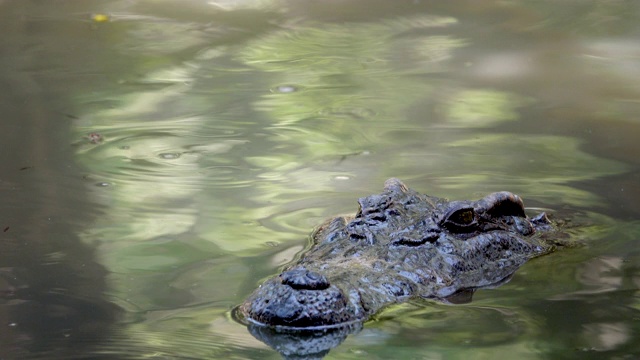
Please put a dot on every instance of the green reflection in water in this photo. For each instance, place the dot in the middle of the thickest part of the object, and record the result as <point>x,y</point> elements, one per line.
<point>349,48</point>
<point>191,177</point>
<point>540,165</point>
<point>481,331</point>
<point>482,108</point>
<point>341,77</point>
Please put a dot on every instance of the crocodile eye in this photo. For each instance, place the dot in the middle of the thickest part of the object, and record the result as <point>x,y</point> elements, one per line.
<point>462,217</point>
<point>460,220</point>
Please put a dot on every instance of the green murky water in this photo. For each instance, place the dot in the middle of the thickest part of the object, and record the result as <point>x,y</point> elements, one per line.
<point>161,158</point>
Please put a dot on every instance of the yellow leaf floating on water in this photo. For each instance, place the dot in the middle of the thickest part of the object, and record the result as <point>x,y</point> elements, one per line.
<point>100,17</point>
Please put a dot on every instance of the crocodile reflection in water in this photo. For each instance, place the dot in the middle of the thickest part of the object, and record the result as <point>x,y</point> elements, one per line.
<point>399,245</point>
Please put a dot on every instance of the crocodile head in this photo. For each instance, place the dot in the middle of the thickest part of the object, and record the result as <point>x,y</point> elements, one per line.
<point>400,244</point>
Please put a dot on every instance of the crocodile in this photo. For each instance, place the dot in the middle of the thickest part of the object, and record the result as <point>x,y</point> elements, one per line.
<point>400,245</point>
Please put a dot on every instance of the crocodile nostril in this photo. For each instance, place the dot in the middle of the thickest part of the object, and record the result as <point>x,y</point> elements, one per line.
<point>302,279</point>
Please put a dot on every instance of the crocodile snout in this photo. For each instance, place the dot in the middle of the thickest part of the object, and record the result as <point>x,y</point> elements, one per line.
<point>299,298</point>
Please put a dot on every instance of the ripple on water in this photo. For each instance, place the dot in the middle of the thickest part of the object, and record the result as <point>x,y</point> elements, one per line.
<point>476,325</point>
<point>342,177</point>
<point>195,333</point>
<point>169,156</point>
<point>356,113</point>
<point>285,89</point>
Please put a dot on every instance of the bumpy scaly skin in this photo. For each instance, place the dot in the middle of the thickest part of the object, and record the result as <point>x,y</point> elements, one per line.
<point>400,244</point>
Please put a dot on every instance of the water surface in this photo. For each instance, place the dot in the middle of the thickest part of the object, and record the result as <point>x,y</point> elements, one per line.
<point>161,158</point>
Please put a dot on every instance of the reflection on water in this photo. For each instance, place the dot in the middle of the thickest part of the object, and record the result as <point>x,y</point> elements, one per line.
<point>303,344</point>
<point>212,136</point>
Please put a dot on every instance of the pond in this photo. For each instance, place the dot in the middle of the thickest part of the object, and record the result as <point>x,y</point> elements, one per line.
<point>163,158</point>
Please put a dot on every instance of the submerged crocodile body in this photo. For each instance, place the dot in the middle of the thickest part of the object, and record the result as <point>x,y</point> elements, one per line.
<point>399,245</point>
